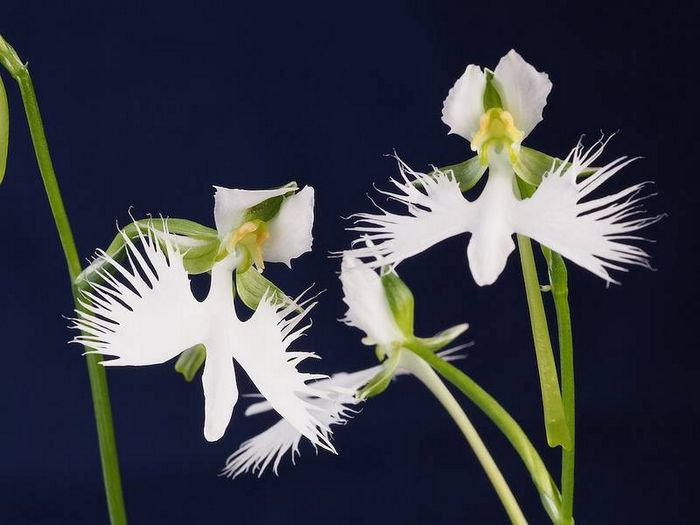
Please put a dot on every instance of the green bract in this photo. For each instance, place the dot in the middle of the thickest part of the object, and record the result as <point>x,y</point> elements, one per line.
<point>252,286</point>
<point>439,340</point>
<point>380,382</point>
<point>532,165</point>
<point>467,173</point>
<point>400,301</point>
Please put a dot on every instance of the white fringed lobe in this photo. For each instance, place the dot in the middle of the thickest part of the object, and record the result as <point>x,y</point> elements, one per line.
<point>593,233</point>
<point>436,209</point>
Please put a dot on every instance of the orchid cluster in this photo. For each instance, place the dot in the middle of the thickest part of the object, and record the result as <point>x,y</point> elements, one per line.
<point>135,306</point>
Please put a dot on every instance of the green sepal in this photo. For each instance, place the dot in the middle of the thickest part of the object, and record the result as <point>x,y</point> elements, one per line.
<point>438,341</point>
<point>532,165</point>
<point>381,381</point>
<point>267,209</point>
<point>190,361</point>
<point>251,286</point>
<point>400,300</point>
<point>197,259</point>
<point>467,173</point>
<point>492,98</point>
<point>4,130</point>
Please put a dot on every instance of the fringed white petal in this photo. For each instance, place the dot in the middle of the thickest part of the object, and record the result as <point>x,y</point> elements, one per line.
<point>144,314</point>
<point>230,205</point>
<point>437,210</point>
<point>339,383</point>
<point>368,308</point>
<point>262,352</point>
<point>464,104</point>
<point>593,233</point>
<point>523,90</point>
<point>291,229</point>
<point>269,447</point>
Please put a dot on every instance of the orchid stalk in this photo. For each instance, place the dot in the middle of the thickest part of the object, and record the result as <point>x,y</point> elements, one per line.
<point>98,379</point>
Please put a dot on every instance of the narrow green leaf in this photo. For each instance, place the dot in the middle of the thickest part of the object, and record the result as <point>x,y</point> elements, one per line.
<point>400,301</point>
<point>554,419</point>
<point>380,382</point>
<point>4,130</point>
<point>558,278</point>
<point>492,98</point>
<point>190,361</point>
<point>251,286</point>
<point>467,173</point>
<point>532,165</point>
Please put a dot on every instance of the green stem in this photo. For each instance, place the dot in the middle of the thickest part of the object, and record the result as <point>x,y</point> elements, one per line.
<point>428,377</point>
<point>549,493</point>
<point>96,373</point>
<point>558,278</point>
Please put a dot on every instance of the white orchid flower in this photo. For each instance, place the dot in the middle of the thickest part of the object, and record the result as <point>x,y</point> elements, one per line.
<point>146,314</point>
<point>594,233</point>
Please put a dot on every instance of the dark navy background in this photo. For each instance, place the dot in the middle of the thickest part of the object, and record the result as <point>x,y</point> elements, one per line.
<point>149,106</point>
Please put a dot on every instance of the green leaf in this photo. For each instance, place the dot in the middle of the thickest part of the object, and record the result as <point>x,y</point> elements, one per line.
<point>267,209</point>
<point>438,341</point>
<point>190,361</point>
<point>199,245</point>
<point>533,164</point>
<point>400,301</point>
<point>251,286</point>
<point>4,130</point>
<point>380,382</point>
<point>467,173</point>
<point>492,98</point>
